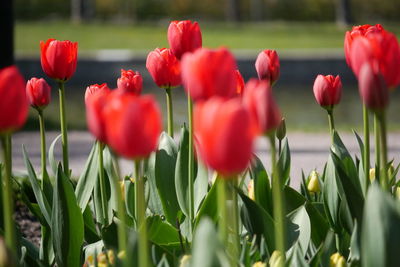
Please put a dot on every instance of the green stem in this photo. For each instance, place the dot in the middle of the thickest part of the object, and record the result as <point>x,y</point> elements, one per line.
<point>42,146</point>
<point>366,146</point>
<point>279,146</point>
<point>191,165</point>
<point>384,172</point>
<point>233,220</point>
<point>64,133</point>
<point>221,198</point>
<point>331,123</point>
<point>102,183</point>
<point>377,134</point>
<point>141,216</point>
<point>8,204</point>
<point>170,112</point>
<point>278,203</point>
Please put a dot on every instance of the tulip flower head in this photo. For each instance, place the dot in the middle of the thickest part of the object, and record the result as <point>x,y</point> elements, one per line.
<point>184,36</point>
<point>13,100</point>
<point>38,92</point>
<point>258,99</point>
<point>130,81</point>
<point>164,68</point>
<point>239,83</point>
<point>327,91</point>
<point>96,98</point>
<point>223,134</point>
<point>207,73</point>
<point>133,125</point>
<point>313,183</point>
<point>268,66</point>
<point>59,58</point>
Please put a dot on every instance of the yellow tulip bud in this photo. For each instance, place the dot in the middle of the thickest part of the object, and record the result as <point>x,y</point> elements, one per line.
<point>341,262</point>
<point>372,174</point>
<point>313,183</point>
<point>259,264</point>
<point>250,188</point>
<point>276,259</point>
<point>185,261</point>
<point>102,258</point>
<point>111,256</point>
<point>121,255</point>
<point>337,260</point>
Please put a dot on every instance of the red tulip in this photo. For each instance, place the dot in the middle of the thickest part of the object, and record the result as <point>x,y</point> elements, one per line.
<point>223,135</point>
<point>133,125</point>
<point>164,67</point>
<point>59,58</point>
<point>239,83</point>
<point>327,90</point>
<point>94,89</point>
<point>96,97</point>
<point>357,31</point>
<point>372,86</point>
<point>38,92</point>
<point>184,36</point>
<point>13,101</point>
<point>268,66</point>
<point>258,99</point>
<point>207,73</point>
<point>381,47</point>
<point>130,81</point>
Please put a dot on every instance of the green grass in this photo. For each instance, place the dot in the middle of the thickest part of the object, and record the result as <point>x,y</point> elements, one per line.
<point>145,37</point>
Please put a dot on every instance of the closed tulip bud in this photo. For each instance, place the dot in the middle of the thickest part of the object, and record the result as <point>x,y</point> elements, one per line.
<point>185,261</point>
<point>281,130</point>
<point>207,73</point>
<point>268,66</point>
<point>250,189</point>
<point>239,83</point>
<point>130,81</point>
<point>96,100</point>
<point>372,87</point>
<point>38,92</point>
<point>121,255</point>
<point>94,89</point>
<point>133,125</point>
<point>327,91</point>
<point>184,36</point>
<point>164,68</point>
<point>372,174</point>
<point>258,99</point>
<point>13,100</point>
<point>313,183</point>
<point>276,259</point>
<point>259,264</point>
<point>59,58</point>
<point>223,134</point>
<point>337,260</point>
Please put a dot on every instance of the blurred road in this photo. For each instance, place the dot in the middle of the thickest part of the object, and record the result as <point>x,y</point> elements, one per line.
<point>308,151</point>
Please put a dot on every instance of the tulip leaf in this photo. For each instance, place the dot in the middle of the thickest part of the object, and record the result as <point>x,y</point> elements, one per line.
<point>380,230</point>
<point>300,218</point>
<point>88,178</point>
<point>284,162</point>
<point>91,234</point>
<point>262,186</point>
<point>200,184</point>
<point>39,195</point>
<point>208,207</point>
<point>293,199</point>
<point>161,232</point>
<point>165,176</point>
<point>296,256</point>
<point>330,194</point>
<point>129,192</point>
<point>67,225</point>
<point>52,158</point>
<point>154,203</point>
<point>319,224</point>
<point>181,172</point>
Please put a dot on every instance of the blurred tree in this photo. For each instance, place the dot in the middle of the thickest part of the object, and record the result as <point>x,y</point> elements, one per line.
<point>6,33</point>
<point>76,11</point>
<point>232,10</point>
<point>343,12</point>
<point>256,10</point>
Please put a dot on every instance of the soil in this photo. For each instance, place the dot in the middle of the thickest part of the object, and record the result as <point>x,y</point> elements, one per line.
<point>27,223</point>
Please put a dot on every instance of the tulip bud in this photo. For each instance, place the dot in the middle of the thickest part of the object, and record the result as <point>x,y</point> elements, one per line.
<point>130,81</point>
<point>276,259</point>
<point>184,36</point>
<point>313,183</point>
<point>38,92</point>
<point>94,89</point>
<point>259,264</point>
<point>111,256</point>
<point>121,255</point>
<point>239,83</point>
<point>59,58</point>
<point>327,91</point>
<point>337,260</point>
<point>372,87</point>
<point>281,130</point>
<point>268,66</point>
<point>164,68</point>
<point>185,261</point>
<point>250,189</point>
<point>372,174</point>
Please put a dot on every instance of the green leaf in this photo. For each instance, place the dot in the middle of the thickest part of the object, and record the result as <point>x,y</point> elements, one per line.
<point>301,219</point>
<point>154,203</point>
<point>262,186</point>
<point>161,232</point>
<point>330,194</point>
<point>208,207</point>
<point>293,199</point>
<point>200,185</point>
<point>284,162</point>
<point>130,197</point>
<point>182,171</point>
<point>67,226</point>
<point>52,158</point>
<point>39,195</point>
<point>91,234</point>
<point>296,256</point>
<point>88,178</point>
<point>319,224</point>
<point>380,230</point>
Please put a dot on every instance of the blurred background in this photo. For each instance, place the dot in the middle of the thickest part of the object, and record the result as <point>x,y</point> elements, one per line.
<point>115,34</point>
